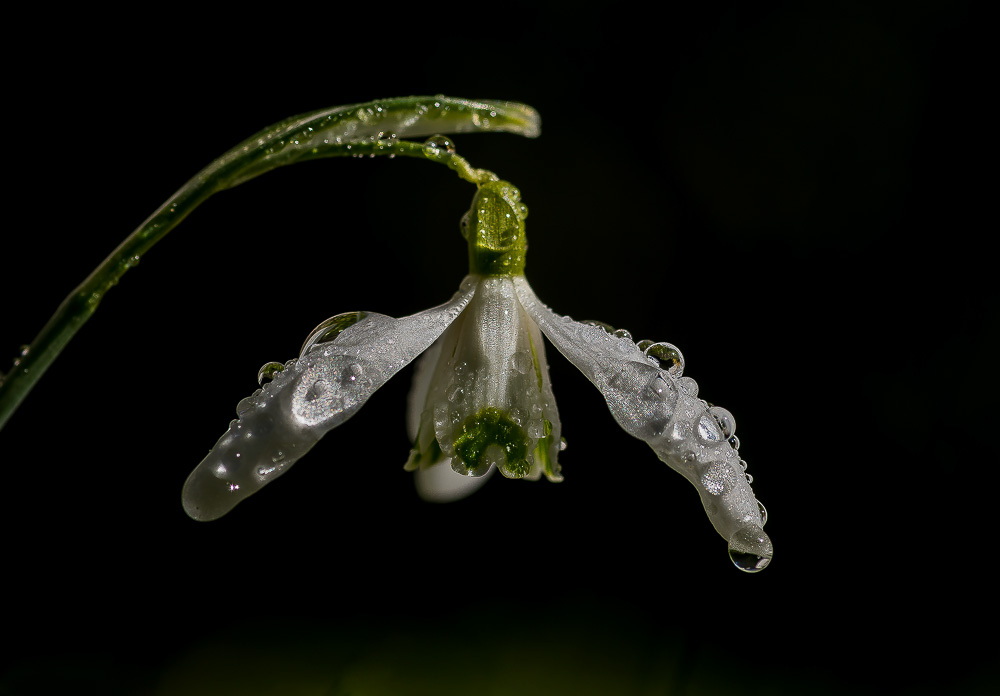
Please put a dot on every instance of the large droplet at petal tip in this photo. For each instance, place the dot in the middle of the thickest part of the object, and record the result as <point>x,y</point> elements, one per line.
<point>750,549</point>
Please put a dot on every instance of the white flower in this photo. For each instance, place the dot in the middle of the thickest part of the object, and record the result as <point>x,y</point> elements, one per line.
<point>481,398</point>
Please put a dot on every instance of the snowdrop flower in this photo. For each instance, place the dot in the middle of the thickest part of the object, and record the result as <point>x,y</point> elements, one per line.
<point>481,399</point>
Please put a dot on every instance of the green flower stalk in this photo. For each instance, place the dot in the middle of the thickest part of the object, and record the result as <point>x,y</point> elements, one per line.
<point>481,400</point>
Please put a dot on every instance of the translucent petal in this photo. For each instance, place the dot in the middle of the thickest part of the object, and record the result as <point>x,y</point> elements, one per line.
<point>312,395</point>
<point>442,484</point>
<point>650,404</point>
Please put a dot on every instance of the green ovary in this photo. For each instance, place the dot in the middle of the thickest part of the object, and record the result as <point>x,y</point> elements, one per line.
<point>494,229</point>
<point>491,437</point>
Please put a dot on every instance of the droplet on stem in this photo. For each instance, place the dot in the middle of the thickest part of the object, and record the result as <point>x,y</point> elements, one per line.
<point>436,143</point>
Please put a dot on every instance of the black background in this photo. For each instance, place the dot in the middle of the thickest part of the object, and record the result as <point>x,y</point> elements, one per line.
<point>792,195</point>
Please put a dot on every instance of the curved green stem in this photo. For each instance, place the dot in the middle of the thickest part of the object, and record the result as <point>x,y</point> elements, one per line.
<point>373,128</point>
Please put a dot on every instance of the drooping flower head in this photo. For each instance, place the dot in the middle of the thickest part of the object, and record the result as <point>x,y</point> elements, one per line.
<point>481,399</point>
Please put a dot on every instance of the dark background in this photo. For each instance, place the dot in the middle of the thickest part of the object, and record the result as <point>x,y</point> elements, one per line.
<point>792,195</point>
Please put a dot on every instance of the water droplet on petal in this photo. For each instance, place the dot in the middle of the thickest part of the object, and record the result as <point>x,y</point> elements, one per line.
<point>708,429</point>
<point>521,362</point>
<point>351,374</point>
<point>750,549</point>
<point>688,386</point>
<point>594,322</point>
<point>668,355</point>
<point>725,420</point>
<point>268,371</point>
<point>329,330</point>
<point>763,513</point>
<point>622,333</point>
<point>562,444</point>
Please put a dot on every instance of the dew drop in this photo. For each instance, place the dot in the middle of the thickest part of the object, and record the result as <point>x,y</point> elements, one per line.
<point>622,333</point>
<point>521,362</point>
<point>725,420</point>
<point>688,386</point>
<point>668,355</point>
<point>436,143</point>
<point>268,371</point>
<point>562,444</point>
<point>708,429</point>
<point>351,375</point>
<point>456,394</point>
<point>600,324</point>
<point>734,442</point>
<point>329,330</point>
<point>319,388</point>
<point>763,513</point>
<point>750,549</point>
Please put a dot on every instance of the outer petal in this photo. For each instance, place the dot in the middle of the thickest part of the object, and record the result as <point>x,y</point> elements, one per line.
<point>650,404</point>
<point>312,395</point>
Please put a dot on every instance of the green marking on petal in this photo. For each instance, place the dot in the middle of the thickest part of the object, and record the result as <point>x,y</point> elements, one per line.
<point>422,460</point>
<point>491,437</point>
<point>551,468</point>
<point>538,367</point>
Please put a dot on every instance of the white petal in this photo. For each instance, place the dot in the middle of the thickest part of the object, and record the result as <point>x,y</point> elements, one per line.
<point>650,404</point>
<point>442,484</point>
<point>312,395</point>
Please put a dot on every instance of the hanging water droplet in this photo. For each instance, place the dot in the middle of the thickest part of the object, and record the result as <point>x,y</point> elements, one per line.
<point>750,549</point>
<point>763,513</point>
<point>562,444</point>
<point>268,371</point>
<point>436,143</point>
<point>725,420</point>
<point>668,355</point>
<point>329,330</point>
<point>734,442</point>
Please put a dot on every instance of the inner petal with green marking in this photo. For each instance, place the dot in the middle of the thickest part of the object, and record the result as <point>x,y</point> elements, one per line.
<point>487,400</point>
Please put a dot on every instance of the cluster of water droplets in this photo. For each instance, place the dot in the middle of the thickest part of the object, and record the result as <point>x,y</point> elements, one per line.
<point>651,398</point>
